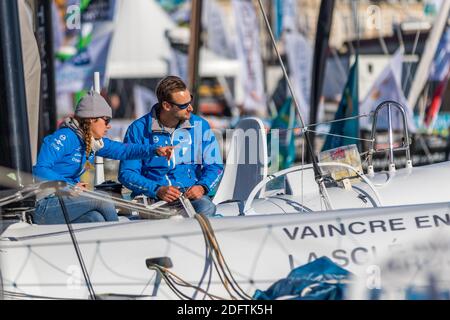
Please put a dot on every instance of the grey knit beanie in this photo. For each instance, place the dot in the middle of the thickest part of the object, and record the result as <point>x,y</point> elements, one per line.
<point>93,105</point>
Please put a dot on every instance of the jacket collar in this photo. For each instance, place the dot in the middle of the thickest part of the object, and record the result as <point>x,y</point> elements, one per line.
<point>157,127</point>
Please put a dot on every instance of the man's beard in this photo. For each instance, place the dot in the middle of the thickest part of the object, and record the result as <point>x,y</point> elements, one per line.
<point>184,117</point>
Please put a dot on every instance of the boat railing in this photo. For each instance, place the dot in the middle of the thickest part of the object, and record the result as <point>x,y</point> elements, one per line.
<point>391,149</point>
<point>260,185</point>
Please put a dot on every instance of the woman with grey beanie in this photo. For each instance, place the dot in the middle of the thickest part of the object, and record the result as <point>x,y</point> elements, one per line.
<point>65,155</point>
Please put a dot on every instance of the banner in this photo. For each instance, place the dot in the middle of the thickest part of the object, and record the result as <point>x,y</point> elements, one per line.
<point>387,87</point>
<point>289,15</point>
<point>248,52</point>
<point>348,107</point>
<point>299,54</point>
<point>178,64</point>
<point>218,40</point>
<point>144,99</point>
<point>88,30</point>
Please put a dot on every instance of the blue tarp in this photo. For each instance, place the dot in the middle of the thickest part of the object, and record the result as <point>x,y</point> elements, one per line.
<point>317,280</point>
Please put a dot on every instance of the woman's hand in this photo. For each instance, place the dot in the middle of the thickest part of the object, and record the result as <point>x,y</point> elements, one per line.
<point>79,188</point>
<point>82,185</point>
<point>165,152</point>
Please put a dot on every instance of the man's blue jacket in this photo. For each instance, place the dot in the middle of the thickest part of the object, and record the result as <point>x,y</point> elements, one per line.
<point>196,159</point>
<point>62,155</point>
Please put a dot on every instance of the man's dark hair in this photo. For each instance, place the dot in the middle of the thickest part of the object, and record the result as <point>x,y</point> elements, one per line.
<point>167,86</point>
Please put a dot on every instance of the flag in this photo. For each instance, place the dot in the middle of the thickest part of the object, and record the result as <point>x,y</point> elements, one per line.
<point>249,54</point>
<point>278,14</point>
<point>441,63</point>
<point>436,102</point>
<point>348,107</point>
<point>284,120</point>
<point>432,7</point>
<point>387,87</point>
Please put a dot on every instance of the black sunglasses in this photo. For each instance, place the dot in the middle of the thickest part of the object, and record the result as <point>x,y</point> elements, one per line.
<point>184,105</point>
<point>106,119</point>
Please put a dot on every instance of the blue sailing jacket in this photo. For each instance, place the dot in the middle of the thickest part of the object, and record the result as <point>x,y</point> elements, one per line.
<point>62,156</point>
<point>196,159</point>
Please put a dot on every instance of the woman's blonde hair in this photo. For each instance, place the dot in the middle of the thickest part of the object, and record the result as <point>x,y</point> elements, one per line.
<point>85,126</point>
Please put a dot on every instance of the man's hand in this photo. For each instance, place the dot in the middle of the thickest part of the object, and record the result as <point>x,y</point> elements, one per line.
<point>165,151</point>
<point>195,192</point>
<point>168,193</point>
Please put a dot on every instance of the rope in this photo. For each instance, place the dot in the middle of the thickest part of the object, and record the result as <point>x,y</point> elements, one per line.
<point>210,236</point>
<point>174,280</point>
<point>230,284</point>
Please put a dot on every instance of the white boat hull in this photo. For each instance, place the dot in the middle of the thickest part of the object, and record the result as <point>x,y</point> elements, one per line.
<point>41,261</point>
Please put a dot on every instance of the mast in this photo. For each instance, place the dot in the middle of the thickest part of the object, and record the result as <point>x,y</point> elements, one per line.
<point>194,50</point>
<point>431,45</point>
<point>14,132</point>
<point>99,162</point>
<point>320,56</point>
<point>44,34</point>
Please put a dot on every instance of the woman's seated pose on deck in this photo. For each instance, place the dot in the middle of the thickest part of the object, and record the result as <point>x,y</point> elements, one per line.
<point>65,154</point>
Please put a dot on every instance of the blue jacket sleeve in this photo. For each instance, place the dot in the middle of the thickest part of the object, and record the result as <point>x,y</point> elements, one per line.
<point>49,154</point>
<point>212,164</point>
<point>130,170</point>
<point>125,151</point>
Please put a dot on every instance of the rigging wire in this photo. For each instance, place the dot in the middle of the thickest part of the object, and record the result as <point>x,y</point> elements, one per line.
<point>339,135</point>
<point>342,119</point>
<point>317,171</point>
<point>408,70</point>
<point>154,210</point>
<point>76,247</point>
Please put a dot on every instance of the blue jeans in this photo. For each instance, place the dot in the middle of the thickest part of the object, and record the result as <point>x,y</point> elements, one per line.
<point>204,205</point>
<point>80,209</point>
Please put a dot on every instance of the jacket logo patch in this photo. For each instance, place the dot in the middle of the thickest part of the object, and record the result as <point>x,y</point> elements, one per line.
<point>58,142</point>
<point>155,139</point>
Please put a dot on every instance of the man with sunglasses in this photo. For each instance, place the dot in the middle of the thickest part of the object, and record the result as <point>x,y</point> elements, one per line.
<point>195,165</point>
